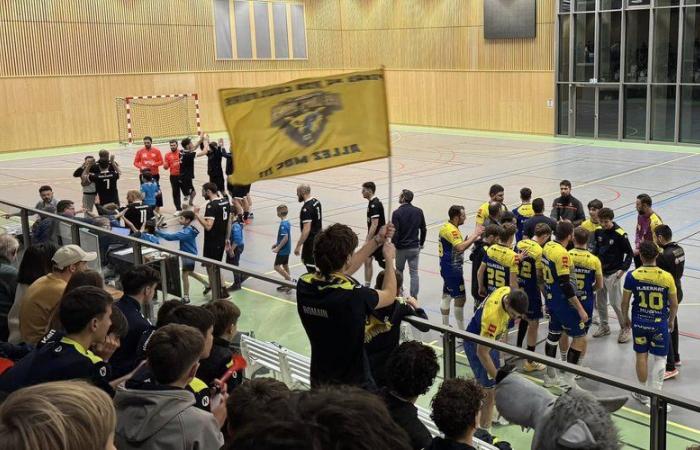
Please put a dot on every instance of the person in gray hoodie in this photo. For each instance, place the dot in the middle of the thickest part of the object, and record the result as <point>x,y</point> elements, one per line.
<point>162,414</point>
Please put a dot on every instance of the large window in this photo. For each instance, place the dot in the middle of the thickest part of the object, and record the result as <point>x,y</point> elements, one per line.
<point>637,52</point>
<point>608,112</point>
<point>690,67</point>
<point>690,114</point>
<point>253,29</point>
<point>665,45</point>
<point>609,46</point>
<point>663,112</point>
<point>635,113</point>
<point>564,55</point>
<point>584,47</point>
<point>563,109</point>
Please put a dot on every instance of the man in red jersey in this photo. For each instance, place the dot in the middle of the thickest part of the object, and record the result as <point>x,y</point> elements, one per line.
<point>172,163</point>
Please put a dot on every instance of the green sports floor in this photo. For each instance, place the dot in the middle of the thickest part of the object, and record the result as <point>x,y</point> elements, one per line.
<point>444,167</point>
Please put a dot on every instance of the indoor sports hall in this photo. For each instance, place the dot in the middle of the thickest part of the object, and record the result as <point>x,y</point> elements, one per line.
<point>520,93</point>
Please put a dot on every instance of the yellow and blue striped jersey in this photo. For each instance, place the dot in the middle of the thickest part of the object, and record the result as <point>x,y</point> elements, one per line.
<point>500,261</point>
<point>556,263</point>
<point>449,237</point>
<point>491,319</point>
<point>522,213</point>
<point>529,265</point>
<point>586,267</point>
<point>650,287</point>
<point>483,212</point>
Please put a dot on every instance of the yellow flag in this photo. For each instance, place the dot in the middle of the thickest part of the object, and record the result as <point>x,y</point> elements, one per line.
<point>306,125</point>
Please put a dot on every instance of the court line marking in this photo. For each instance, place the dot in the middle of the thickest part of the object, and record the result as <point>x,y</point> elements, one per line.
<point>293,265</point>
<point>639,169</point>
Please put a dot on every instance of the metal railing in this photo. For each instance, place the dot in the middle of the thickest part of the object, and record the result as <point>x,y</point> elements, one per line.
<point>659,399</point>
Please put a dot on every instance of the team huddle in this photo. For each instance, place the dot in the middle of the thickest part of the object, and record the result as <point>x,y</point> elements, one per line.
<point>577,265</point>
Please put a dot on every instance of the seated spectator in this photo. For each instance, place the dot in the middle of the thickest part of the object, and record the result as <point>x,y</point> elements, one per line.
<point>58,416</point>
<point>8,280</point>
<point>202,320</point>
<point>164,416</point>
<point>456,409</point>
<point>148,232</point>
<point>139,286</point>
<point>36,262</point>
<point>383,328</point>
<point>410,370</point>
<point>42,297</point>
<point>333,306</point>
<point>165,309</point>
<point>44,229</point>
<point>254,401</point>
<point>226,316</point>
<point>323,419</point>
<point>85,313</point>
<point>85,278</point>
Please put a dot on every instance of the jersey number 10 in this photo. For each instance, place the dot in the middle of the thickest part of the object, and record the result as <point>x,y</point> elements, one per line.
<point>653,300</point>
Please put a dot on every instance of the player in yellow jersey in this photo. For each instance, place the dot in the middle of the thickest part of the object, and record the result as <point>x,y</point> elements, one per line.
<point>523,212</point>
<point>588,273</point>
<point>496,194</point>
<point>647,221</point>
<point>531,281</point>
<point>592,223</point>
<point>451,247</point>
<point>566,311</point>
<point>654,311</point>
<point>500,264</point>
<point>492,320</point>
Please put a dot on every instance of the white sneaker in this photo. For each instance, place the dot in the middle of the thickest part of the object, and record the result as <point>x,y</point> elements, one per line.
<point>550,382</point>
<point>643,399</point>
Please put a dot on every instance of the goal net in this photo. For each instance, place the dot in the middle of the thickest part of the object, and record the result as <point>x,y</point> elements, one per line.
<point>162,117</point>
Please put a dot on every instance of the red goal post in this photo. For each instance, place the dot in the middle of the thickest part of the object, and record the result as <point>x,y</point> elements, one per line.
<point>162,117</point>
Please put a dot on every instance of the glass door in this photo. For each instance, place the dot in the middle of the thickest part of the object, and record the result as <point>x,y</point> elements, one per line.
<point>585,112</point>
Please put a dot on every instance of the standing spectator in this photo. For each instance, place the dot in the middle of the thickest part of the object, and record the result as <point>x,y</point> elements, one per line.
<point>567,207</point>
<point>164,415</point>
<point>311,219</point>
<point>215,152</point>
<point>36,262</point>
<point>59,415</point>
<point>647,221</point>
<point>411,369</point>
<point>234,251</point>
<point>42,297</point>
<point>139,285</point>
<point>612,246</point>
<point>172,163</point>
<point>149,158</point>
<point>188,243</point>
<point>409,238</point>
<point>523,212</point>
<point>46,202</point>
<point>456,413</point>
<point>8,280</point>
<point>375,220</point>
<point>333,306</point>
<point>672,260</point>
<point>88,186</point>
<point>283,247</point>
<point>538,217</point>
<point>217,228</point>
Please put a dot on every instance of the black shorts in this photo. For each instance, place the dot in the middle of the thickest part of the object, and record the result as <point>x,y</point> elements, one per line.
<point>214,250</point>
<point>281,260</point>
<point>378,256</point>
<point>238,190</point>
<point>307,254</point>
<point>186,185</point>
<point>219,182</point>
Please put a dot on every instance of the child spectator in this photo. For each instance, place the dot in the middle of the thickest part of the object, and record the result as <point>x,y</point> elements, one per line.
<point>148,232</point>
<point>383,328</point>
<point>164,416</point>
<point>233,253</point>
<point>85,314</point>
<point>226,316</point>
<point>456,411</point>
<point>254,401</point>
<point>150,191</point>
<point>283,247</point>
<point>410,371</point>
<point>187,237</point>
<point>55,416</point>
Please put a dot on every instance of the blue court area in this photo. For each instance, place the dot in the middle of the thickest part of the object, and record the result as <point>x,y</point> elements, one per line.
<point>442,168</point>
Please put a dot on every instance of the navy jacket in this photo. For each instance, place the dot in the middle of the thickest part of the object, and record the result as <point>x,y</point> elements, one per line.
<point>410,227</point>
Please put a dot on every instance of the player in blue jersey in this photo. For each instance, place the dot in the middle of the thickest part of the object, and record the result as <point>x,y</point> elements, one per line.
<point>523,212</point>
<point>567,314</point>
<point>283,247</point>
<point>654,308</point>
<point>451,249</point>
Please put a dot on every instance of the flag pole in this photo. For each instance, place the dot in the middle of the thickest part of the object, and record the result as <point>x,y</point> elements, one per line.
<point>391,195</point>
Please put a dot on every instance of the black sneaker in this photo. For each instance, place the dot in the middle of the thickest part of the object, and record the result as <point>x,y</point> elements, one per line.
<point>206,290</point>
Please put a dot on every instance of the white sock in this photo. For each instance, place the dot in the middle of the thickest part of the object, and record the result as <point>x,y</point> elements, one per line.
<point>563,355</point>
<point>655,378</point>
<point>459,315</point>
<point>445,309</point>
<point>446,318</point>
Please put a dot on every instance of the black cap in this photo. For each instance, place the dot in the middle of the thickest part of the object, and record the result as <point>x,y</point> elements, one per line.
<point>407,195</point>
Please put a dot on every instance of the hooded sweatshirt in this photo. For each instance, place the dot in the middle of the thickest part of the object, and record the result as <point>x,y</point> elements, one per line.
<point>163,418</point>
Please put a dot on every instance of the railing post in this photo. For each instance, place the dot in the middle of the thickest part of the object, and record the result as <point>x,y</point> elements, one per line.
<point>138,254</point>
<point>657,425</point>
<point>75,234</point>
<point>26,234</point>
<point>215,283</point>
<point>449,361</point>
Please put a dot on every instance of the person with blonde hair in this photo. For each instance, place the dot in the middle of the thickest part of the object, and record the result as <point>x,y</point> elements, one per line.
<point>60,415</point>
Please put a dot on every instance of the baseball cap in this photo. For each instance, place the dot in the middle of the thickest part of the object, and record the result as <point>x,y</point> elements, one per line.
<point>71,254</point>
